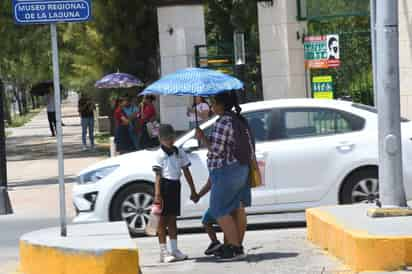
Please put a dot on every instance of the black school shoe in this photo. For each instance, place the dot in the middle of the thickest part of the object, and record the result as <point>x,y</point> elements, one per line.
<point>213,247</point>
<point>229,253</point>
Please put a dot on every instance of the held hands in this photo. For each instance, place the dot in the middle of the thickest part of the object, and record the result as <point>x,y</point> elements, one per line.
<point>195,197</point>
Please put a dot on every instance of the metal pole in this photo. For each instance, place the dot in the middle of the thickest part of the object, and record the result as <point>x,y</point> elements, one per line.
<point>391,188</point>
<point>56,81</point>
<point>5,205</point>
<point>373,40</point>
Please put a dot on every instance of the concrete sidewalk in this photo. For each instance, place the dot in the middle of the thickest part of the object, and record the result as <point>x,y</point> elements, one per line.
<point>32,177</point>
<point>32,152</point>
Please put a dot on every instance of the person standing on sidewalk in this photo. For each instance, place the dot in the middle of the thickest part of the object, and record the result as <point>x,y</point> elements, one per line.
<point>124,143</point>
<point>168,167</point>
<point>86,110</point>
<point>147,115</point>
<point>230,190</point>
<point>132,111</point>
<point>51,112</point>
<point>203,112</point>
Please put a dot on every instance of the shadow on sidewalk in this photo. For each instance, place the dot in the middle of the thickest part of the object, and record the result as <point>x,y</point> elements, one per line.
<point>47,150</point>
<point>252,258</point>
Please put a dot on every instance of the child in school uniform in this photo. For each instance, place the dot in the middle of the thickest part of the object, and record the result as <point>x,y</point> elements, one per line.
<point>170,162</point>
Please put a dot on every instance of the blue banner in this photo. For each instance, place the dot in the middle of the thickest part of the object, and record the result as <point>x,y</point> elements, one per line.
<point>45,11</point>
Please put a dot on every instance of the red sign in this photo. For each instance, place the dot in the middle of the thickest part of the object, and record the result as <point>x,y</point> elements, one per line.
<point>322,52</point>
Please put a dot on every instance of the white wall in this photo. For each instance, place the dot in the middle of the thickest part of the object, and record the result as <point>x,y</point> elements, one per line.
<point>177,52</point>
<point>405,60</point>
<point>282,58</point>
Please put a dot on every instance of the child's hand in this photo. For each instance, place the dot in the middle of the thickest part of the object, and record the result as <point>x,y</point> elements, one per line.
<point>157,199</point>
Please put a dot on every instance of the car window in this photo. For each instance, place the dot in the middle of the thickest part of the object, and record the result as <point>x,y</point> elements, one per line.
<point>258,124</point>
<point>318,122</point>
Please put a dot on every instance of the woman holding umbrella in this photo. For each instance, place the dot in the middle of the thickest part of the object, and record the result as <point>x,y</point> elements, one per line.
<point>230,190</point>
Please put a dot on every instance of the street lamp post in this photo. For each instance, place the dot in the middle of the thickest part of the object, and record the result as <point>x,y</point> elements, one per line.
<point>391,188</point>
<point>240,59</point>
<point>5,205</point>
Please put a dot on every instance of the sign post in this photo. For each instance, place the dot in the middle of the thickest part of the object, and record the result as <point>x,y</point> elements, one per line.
<point>53,12</point>
<point>60,156</point>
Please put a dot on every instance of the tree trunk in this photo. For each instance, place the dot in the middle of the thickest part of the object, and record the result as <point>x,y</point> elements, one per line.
<point>7,108</point>
<point>33,102</point>
<point>5,205</point>
<point>24,100</point>
<point>18,99</point>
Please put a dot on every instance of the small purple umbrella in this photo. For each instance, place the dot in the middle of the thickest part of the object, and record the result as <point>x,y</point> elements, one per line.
<point>118,80</point>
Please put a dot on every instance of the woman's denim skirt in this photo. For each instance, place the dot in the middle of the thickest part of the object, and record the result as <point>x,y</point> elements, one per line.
<point>230,189</point>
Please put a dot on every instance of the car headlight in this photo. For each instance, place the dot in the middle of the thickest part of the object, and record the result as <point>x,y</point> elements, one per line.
<point>96,175</point>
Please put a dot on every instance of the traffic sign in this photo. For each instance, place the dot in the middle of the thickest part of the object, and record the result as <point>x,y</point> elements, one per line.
<point>46,11</point>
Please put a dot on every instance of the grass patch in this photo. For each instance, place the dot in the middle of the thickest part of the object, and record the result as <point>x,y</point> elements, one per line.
<point>19,121</point>
<point>102,138</point>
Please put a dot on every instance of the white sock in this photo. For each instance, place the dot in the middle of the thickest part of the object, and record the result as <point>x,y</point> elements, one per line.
<point>163,248</point>
<point>173,245</point>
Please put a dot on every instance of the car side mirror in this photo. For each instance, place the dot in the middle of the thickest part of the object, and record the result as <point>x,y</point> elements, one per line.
<point>190,145</point>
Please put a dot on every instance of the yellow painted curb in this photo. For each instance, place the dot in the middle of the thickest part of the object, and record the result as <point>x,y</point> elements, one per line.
<point>359,250</point>
<point>389,212</point>
<point>36,259</point>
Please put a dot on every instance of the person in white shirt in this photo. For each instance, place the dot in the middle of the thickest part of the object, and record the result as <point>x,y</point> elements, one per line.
<point>168,166</point>
<point>203,111</point>
<point>51,112</point>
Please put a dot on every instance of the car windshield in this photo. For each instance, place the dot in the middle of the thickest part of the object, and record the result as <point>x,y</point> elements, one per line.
<point>372,110</point>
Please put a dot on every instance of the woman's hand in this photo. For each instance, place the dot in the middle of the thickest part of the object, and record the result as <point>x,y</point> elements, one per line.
<point>199,134</point>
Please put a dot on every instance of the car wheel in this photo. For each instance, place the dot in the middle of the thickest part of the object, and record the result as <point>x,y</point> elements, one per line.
<point>133,205</point>
<point>361,187</point>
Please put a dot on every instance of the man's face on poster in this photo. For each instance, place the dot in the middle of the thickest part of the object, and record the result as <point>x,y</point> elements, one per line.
<point>334,47</point>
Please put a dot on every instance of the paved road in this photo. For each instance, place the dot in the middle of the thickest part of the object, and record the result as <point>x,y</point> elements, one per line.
<point>32,174</point>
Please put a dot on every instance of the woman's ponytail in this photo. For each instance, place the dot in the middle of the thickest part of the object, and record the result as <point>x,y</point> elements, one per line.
<point>235,99</point>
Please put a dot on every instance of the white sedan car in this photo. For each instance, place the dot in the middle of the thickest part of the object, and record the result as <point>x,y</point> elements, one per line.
<point>311,153</point>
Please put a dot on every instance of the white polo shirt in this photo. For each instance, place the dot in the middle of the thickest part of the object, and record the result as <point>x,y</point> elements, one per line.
<point>170,166</point>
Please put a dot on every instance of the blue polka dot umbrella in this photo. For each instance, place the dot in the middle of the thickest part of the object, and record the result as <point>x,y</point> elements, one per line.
<point>118,80</point>
<point>194,82</point>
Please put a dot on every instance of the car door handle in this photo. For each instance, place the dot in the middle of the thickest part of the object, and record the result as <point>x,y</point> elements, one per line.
<point>345,147</point>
